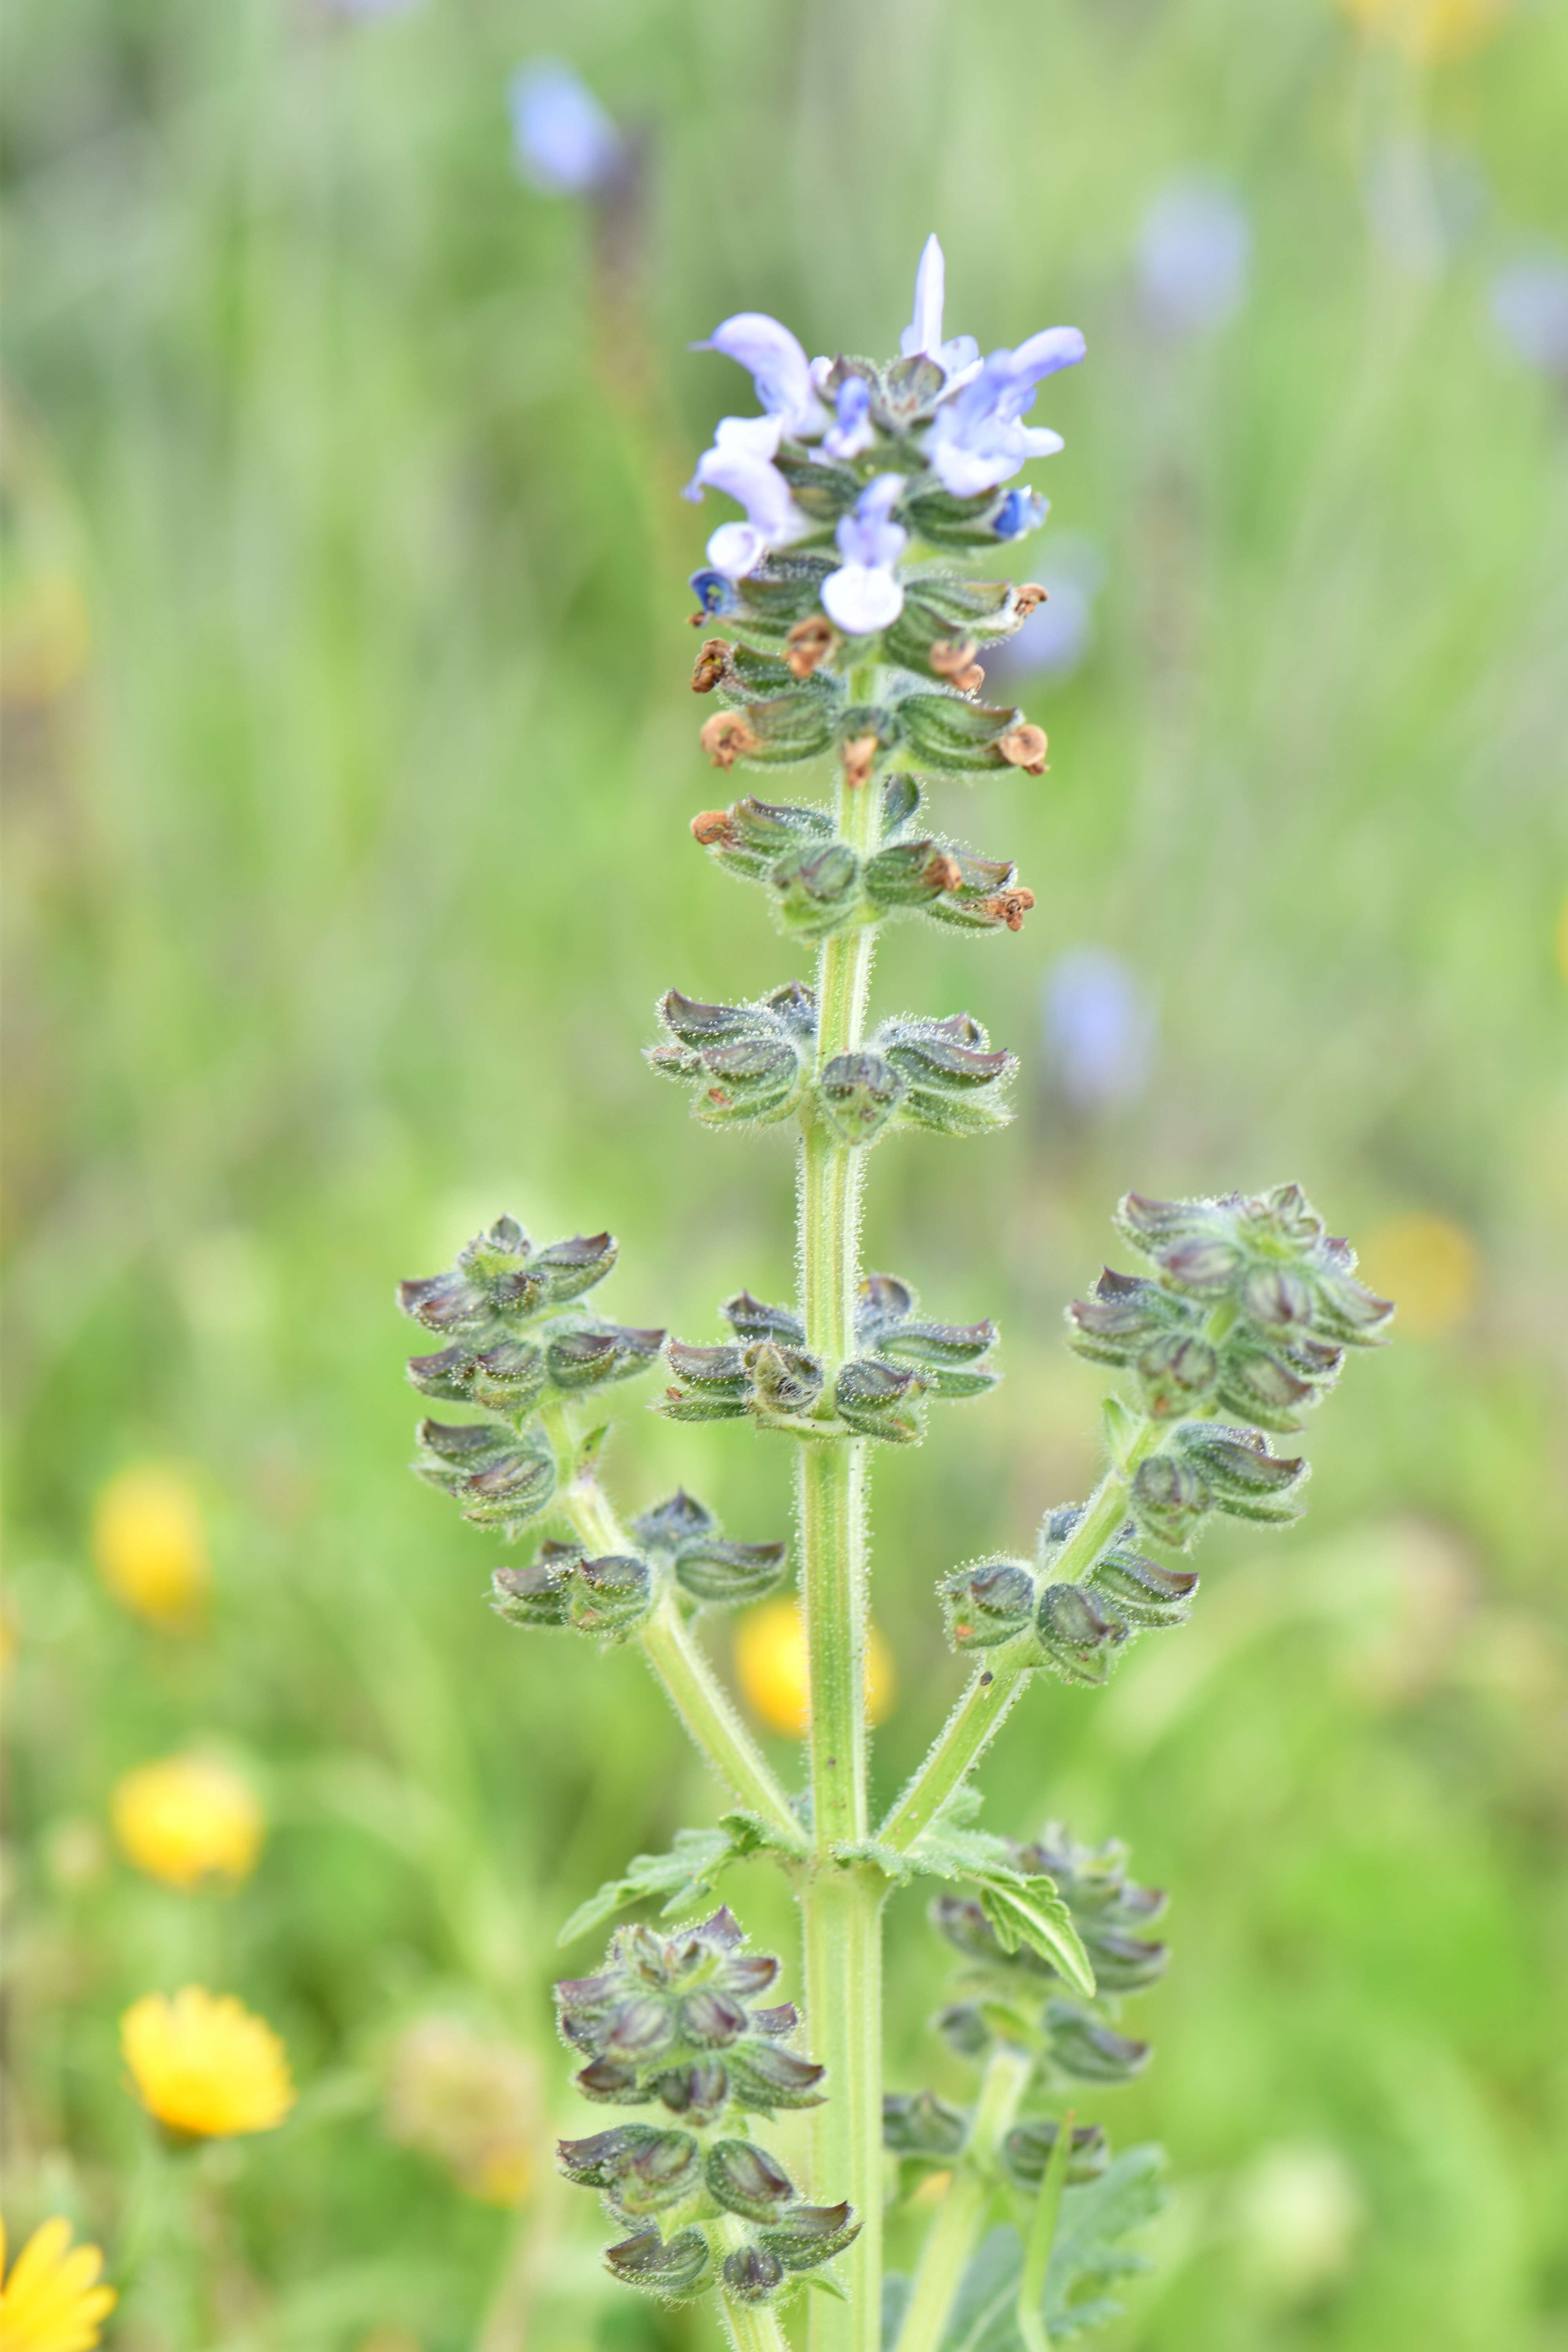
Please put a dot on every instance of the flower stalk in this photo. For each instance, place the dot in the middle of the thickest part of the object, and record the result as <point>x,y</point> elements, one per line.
<point>850,627</point>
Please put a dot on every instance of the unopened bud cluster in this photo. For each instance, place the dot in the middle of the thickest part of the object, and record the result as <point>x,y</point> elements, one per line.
<point>767,1371</point>
<point>818,885</point>
<point>679,2023</point>
<point>756,1063</point>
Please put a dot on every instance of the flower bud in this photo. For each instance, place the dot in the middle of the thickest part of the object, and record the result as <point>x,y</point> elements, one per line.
<point>963,2028</point>
<point>751,2274</point>
<point>1140,1592</point>
<point>592,1355</point>
<point>874,1398</point>
<point>1082,2047</point>
<point>1176,1374</point>
<point>921,2125</point>
<point>640,2170</point>
<point>953,1078</point>
<point>818,889</point>
<point>858,1094</point>
<point>498,1480</point>
<point>1027,2150</point>
<point>987,1604</point>
<point>1241,1474</point>
<point>753,1320</point>
<point>1170,1499</point>
<point>748,1061</point>
<point>745,2180</point>
<point>672,2269</point>
<point>1077,1638</point>
<point>947,735</point>
<point>807,2235</point>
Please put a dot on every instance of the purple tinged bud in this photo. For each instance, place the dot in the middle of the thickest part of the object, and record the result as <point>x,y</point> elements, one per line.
<point>751,2272</point>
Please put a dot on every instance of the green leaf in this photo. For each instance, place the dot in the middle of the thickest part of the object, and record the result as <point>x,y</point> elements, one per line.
<point>683,1876</point>
<point>1089,2255</point>
<point>1038,1917</point>
<point>1087,2258</point>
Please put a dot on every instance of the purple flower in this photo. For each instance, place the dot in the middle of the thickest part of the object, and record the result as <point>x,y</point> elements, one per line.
<point>740,464</point>
<point>564,141</point>
<point>1194,252</point>
<point>779,368</point>
<point>976,438</point>
<point>1529,303</point>
<point>1099,1029</point>
<point>852,432</point>
<point>923,333</point>
<point>863,595</point>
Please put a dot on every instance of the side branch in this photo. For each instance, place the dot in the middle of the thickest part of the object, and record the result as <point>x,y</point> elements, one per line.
<point>667,1641</point>
<point>978,1714</point>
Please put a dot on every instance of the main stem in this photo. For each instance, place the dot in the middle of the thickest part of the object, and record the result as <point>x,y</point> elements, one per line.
<point>841,1900</point>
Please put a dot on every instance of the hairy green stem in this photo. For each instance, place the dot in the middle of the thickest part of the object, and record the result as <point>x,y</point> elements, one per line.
<point>994,1687</point>
<point>671,1650</point>
<point>840,1902</point>
<point>952,2234</point>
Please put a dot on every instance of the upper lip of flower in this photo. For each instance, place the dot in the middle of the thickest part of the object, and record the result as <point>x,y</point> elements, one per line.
<point>778,366</point>
<point>958,357</point>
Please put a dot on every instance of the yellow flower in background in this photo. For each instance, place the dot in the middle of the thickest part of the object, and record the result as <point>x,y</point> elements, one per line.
<point>150,1541</point>
<point>203,2066</point>
<point>1429,30</point>
<point>1563,939</point>
<point>470,2100</point>
<point>1429,1266</point>
<point>187,1819</point>
<point>52,2301</point>
<point>772,1666</point>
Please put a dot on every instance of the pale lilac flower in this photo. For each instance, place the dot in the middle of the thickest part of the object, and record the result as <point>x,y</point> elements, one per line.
<point>977,438</point>
<point>779,368</point>
<point>1528,299</point>
<point>852,432</point>
<point>740,464</point>
<point>923,333</point>
<point>563,141</point>
<point>1195,255</point>
<point>863,595</point>
<point>1099,1029</point>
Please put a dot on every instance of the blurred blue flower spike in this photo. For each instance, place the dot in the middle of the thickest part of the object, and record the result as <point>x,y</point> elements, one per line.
<point>564,142</point>
<point>1528,299</point>
<point>1194,256</point>
<point>1100,1030</point>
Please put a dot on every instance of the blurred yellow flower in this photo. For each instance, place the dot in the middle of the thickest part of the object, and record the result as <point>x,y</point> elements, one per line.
<point>470,2100</point>
<point>1429,1266</point>
<point>52,2301</point>
<point>1429,30</point>
<point>772,1667</point>
<point>203,2066</point>
<point>187,1819</point>
<point>1563,939</point>
<point>150,1541</point>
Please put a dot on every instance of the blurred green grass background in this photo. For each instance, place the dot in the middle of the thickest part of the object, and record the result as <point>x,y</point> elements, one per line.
<point>349,761</point>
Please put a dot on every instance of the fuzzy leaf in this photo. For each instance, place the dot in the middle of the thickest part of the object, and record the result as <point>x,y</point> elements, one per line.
<point>683,1877</point>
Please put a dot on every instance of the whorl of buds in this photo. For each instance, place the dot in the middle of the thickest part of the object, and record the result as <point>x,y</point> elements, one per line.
<point>678,2020</point>
<point>820,886</point>
<point>563,1591</point>
<point>748,1062</point>
<point>1078,1627</point>
<point>768,1372</point>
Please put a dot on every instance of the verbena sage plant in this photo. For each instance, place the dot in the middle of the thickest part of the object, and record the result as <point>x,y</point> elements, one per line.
<point>848,627</point>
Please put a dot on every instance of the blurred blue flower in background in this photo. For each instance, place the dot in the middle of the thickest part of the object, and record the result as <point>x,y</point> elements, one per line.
<point>1528,299</point>
<point>1100,1030</point>
<point>1194,255</point>
<point>563,141</point>
<point>1058,635</point>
